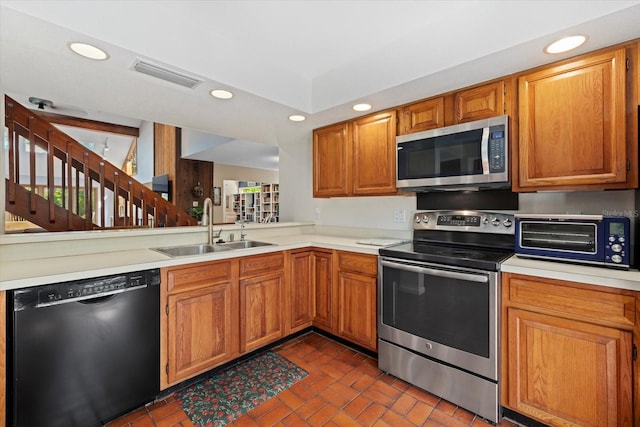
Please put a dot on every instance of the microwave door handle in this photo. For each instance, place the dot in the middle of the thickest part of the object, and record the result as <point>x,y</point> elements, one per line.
<point>434,272</point>
<point>484,151</point>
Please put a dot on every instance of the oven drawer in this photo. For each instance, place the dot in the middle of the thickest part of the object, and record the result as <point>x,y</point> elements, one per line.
<point>571,300</point>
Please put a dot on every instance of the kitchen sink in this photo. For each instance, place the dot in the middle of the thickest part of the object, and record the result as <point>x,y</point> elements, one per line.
<point>176,251</point>
<point>201,249</point>
<point>244,244</point>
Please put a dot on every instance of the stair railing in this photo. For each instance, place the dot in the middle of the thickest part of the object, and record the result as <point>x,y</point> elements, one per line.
<point>78,189</point>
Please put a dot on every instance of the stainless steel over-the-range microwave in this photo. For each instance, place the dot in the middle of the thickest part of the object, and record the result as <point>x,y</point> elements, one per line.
<point>468,154</point>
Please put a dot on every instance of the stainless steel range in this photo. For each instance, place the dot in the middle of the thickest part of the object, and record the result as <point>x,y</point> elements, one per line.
<point>438,299</point>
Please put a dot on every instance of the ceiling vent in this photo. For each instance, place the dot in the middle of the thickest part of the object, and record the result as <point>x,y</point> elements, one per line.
<point>165,74</point>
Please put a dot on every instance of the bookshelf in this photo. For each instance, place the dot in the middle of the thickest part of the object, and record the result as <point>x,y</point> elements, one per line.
<point>258,206</point>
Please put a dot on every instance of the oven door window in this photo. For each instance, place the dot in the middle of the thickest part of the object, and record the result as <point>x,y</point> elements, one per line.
<point>448,155</point>
<point>443,306</point>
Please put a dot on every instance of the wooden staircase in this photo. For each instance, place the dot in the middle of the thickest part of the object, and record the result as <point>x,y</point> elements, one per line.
<point>60,185</point>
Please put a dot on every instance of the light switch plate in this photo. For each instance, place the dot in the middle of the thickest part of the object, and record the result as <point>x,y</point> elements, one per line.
<point>399,215</point>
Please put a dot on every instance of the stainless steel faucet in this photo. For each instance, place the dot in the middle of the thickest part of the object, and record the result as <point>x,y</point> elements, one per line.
<point>242,233</point>
<point>207,219</point>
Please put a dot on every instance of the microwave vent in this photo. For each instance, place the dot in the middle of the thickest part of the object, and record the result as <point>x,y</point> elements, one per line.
<point>166,74</point>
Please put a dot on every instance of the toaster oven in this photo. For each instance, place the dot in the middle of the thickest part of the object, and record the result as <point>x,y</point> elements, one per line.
<point>587,239</point>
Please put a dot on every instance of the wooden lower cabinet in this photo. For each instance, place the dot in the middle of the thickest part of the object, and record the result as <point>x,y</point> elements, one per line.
<point>199,325</point>
<point>213,312</point>
<point>323,291</point>
<point>300,291</point>
<point>356,304</point>
<point>568,352</point>
<point>262,284</point>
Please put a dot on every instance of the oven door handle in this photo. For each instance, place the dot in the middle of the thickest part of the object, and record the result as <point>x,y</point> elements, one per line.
<point>435,272</point>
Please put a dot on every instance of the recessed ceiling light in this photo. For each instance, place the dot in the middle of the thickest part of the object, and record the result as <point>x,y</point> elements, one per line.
<point>565,44</point>
<point>297,118</point>
<point>88,51</point>
<point>362,107</point>
<point>221,94</point>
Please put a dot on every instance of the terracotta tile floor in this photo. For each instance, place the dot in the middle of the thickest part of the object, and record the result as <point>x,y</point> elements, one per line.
<point>343,388</point>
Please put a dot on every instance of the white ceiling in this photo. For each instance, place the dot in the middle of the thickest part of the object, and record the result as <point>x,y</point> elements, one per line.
<point>279,58</point>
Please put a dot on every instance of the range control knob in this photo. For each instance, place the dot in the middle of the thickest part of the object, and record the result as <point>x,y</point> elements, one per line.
<point>616,248</point>
<point>417,219</point>
<point>485,220</point>
<point>507,223</point>
<point>425,219</point>
<point>495,221</point>
<point>616,258</point>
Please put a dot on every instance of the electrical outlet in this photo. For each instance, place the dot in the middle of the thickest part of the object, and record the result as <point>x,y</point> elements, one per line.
<point>317,213</point>
<point>399,215</point>
<point>195,203</point>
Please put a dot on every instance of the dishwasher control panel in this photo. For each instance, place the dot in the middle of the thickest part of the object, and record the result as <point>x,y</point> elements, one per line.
<point>45,295</point>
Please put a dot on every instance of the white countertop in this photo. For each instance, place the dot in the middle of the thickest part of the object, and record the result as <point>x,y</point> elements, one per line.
<point>16,274</point>
<point>623,279</point>
<point>21,274</point>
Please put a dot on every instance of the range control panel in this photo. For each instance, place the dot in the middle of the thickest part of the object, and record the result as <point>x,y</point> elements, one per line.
<point>477,221</point>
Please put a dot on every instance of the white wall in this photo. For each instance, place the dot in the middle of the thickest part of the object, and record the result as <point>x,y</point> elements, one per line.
<point>144,153</point>
<point>297,202</point>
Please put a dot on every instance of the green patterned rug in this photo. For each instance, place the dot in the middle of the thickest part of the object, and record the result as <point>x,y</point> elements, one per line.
<point>221,398</point>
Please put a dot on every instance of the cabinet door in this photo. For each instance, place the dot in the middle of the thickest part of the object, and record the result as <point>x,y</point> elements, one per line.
<point>421,116</point>
<point>572,124</point>
<point>481,102</point>
<point>324,292</point>
<point>300,287</point>
<point>563,372</point>
<point>200,330</point>
<point>261,311</point>
<point>357,308</point>
<point>374,154</point>
<point>331,161</point>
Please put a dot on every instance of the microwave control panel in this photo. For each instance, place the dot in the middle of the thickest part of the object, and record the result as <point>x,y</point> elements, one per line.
<point>497,149</point>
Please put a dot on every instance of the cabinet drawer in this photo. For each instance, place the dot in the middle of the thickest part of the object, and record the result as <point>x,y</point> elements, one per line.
<point>359,263</point>
<point>260,264</point>
<point>573,300</point>
<point>193,276</point>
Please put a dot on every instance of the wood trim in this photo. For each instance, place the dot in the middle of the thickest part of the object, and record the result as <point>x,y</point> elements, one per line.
<point>96,125</point>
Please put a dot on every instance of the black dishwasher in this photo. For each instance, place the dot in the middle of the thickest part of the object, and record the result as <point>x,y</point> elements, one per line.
<point>84,352</point>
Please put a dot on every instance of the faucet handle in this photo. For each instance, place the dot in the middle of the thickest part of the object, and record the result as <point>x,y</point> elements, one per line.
<point>218,233</point>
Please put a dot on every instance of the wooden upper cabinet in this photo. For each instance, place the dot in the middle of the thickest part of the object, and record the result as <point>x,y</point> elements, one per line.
<point>481,102</point>
<point>374,154</point>
<point>331,159</point>
<point>356,158</point>
<point>573,131</point>
<point>421,116</point>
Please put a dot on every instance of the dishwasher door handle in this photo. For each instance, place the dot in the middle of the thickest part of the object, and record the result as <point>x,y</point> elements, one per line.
<point>90,299</point>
